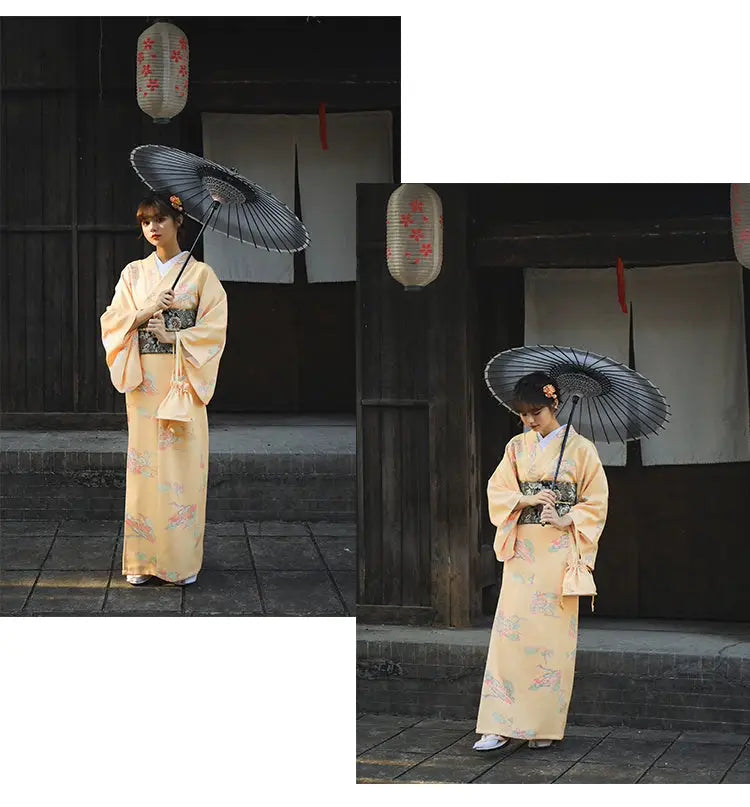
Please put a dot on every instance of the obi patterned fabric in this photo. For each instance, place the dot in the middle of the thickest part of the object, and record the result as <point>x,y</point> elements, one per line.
<point>567,492</point>
<point>175,319</point>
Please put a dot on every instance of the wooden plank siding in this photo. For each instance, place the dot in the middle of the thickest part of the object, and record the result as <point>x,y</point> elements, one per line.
<point>429,559</point>
<point>418,480</point>
<point>68,196</point>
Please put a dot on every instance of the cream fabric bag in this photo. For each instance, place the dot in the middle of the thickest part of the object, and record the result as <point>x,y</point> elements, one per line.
<point>178,402</point>
<point>579,579</point>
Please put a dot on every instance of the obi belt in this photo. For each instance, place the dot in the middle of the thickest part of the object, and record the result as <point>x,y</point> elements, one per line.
<point>566,498</point>
<point>175,319</point>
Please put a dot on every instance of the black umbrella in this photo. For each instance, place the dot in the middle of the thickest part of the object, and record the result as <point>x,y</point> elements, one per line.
<point>220,198</point>
<point>617,404</point>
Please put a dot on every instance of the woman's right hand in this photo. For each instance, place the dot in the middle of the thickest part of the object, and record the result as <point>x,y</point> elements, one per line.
<point>543,497</point>
<point>164,300</point>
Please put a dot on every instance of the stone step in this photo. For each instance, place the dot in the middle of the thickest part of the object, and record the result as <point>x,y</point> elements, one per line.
<point>257,471</point>
<point>640,674</point>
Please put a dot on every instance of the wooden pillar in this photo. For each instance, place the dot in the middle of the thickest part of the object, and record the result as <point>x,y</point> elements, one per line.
<point>418,482</point>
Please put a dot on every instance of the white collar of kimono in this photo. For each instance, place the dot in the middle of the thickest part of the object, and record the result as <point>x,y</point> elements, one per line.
<point>543,441</point>
<point>165,267</point>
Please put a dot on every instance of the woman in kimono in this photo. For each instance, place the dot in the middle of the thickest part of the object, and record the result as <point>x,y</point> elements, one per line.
<point>528,678</point>
<point>163,349</point>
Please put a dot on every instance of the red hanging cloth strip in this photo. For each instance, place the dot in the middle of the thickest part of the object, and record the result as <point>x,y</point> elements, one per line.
<point>323,126</point>
<point>621,286</point>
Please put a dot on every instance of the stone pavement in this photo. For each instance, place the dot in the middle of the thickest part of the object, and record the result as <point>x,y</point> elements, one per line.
<point>273,568</point>
<point>393,749</point>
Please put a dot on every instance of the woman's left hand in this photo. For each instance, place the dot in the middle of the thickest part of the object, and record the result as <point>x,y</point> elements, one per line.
<point>157,327</point>
<point>550,516</point>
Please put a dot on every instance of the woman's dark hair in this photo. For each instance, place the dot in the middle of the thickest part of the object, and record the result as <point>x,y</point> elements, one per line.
<point>155,205</point>
<point>529,392</point>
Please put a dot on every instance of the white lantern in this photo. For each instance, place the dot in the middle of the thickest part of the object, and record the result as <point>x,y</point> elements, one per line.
<point>740,211</point>
<point>162,71</point>
<point>414,236</point>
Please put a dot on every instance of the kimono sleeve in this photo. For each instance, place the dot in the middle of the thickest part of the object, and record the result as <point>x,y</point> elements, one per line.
<point>120,338</point>
<point>203,344</point>
<point>589,514</point>
<point>503,495</point>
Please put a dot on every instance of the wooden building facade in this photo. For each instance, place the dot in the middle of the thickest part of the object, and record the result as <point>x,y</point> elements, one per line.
<point>429,434</point>
<point>68,197</point>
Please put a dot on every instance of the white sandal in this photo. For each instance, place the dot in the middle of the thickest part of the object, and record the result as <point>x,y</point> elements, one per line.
<point>186,582</point>
<point>489,742</point>
<point>540,743</point>
<point>137,579</point>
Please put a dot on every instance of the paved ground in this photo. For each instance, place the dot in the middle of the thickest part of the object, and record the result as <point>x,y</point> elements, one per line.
<point>407,749</point>
<point>250,569</point>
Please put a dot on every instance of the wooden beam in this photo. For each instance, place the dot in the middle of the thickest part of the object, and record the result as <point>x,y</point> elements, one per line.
<point>579,244</point>
<point>401,403</point>
<point>66,228</point>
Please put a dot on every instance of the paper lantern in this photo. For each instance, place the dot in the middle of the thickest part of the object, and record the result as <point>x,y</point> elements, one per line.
<point>414,236</point>
<point>162,71</point>
<point>740,211</point>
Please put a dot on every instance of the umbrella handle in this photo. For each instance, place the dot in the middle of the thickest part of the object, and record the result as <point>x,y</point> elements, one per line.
<point>576,399</point>
<point>206,219</point>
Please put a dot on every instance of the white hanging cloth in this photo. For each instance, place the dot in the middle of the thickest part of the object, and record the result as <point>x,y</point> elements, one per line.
<point>261,148</point>
<point>689,335</point>
<point>360,150</point>
<point>578,308</point>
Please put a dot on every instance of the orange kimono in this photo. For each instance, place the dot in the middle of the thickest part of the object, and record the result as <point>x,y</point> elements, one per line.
<point>166,395</point>
<point>528,679</point>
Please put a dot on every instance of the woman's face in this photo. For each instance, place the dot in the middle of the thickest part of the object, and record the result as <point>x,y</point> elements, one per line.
<point>539,418</point>
<point>159,229</point>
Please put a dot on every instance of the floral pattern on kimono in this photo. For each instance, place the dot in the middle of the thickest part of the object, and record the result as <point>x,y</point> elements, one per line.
<point>544,652</point>
<point>140,463</point>
<point>148,385</point>
<point>545,603</point>
<point>166,484</point>
<point>184,515</point>
<point>497,689</point>
<point>533,657</point>
<point>507,626</point>
<point>549,678</point>
<point>140,526</point>
<point>561,543</point>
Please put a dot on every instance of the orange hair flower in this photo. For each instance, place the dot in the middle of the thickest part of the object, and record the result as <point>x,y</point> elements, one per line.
<point>550,391</point>
<point>176,203</point>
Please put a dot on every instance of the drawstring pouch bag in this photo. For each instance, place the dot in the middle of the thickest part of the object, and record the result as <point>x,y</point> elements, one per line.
<point>579,579</point>
<point>178,403</point>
